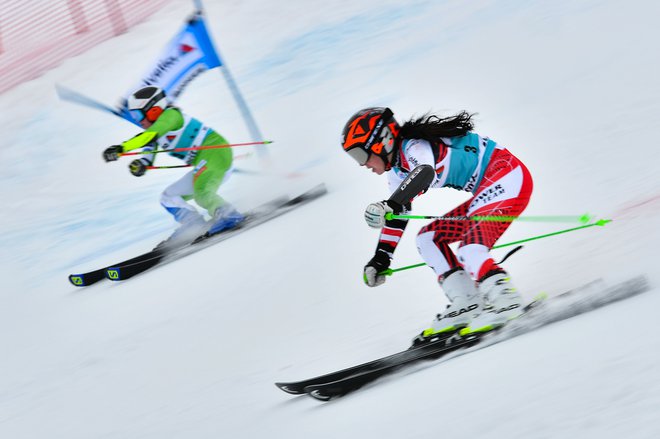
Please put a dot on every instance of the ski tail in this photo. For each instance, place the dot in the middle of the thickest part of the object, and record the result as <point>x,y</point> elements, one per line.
<point>87,279</point>
<point>128,270</point>
<point>94,276</point>
<point>166,252</point>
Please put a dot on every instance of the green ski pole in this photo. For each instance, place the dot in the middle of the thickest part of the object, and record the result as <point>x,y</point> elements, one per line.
<point>583,219</point>
<point>600,223</point>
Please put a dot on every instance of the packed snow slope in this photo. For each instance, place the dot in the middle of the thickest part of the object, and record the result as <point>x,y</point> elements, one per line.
<point>192,350</point>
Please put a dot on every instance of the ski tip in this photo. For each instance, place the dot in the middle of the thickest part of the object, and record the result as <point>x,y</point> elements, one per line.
<point>77,280</point>
<point>113,273</point>
<point>288,388</point>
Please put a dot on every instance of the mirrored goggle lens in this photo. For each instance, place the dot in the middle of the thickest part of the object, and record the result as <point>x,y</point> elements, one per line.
<point>137,115</point>
<point>360,155</point>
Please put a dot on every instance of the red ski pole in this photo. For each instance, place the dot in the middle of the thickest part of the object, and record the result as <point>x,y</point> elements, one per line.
<point>198,148</point>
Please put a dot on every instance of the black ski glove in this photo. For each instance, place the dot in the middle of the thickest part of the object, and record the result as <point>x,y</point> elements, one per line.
<point>112,153</point>
<point>138,167</point>
<point>380,262</point>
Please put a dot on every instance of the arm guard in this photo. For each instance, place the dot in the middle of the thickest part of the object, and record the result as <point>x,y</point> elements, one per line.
<point>417,182</point>
<point>140,141</point>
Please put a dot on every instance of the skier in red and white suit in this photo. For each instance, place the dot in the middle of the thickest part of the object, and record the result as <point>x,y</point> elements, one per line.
<point>434,152</point>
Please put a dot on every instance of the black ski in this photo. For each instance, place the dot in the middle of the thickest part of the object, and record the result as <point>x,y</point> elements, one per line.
<point>300,387</point>
<point>91,277</point>
<point>126,269</point>
<point>440,345</point>
<point>340,387</point>
<point>564,306</point>
<point>160,256</point>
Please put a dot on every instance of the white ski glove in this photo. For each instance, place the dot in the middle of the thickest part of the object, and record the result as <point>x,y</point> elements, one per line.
<point>380,262</point>
<point>375,213</point>
<point>372,278</point>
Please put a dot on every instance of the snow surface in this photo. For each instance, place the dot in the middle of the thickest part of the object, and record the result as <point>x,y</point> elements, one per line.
<point>192,350</point>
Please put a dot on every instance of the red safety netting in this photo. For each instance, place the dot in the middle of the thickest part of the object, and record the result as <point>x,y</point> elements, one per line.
<point>36,35</point>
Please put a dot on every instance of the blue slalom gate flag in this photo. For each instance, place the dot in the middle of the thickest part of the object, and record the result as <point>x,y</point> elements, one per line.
<point>188,54</point>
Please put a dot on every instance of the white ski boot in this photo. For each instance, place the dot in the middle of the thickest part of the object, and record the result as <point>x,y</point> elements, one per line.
<point>191,226</point>
<point>466,304</point>
<point>503,303</point>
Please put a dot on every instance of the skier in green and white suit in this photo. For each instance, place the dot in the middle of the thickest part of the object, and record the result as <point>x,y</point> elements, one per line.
<point>167,128</point>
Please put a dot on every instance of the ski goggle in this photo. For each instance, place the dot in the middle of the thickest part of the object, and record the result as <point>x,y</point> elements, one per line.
<point>136,115</point>
<point>151,115</point>
<point>359,155</point>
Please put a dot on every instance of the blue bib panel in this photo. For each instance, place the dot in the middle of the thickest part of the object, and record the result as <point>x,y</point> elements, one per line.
<point>469,157</point>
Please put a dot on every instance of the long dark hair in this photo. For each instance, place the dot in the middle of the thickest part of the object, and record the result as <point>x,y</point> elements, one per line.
<point>431,127</point>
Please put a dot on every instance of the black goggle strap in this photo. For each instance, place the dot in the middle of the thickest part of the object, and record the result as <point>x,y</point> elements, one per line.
<point>154,99</point>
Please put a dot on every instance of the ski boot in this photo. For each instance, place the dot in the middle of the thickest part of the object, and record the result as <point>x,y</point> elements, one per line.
<point>503,301</point>
<point>225,217</point>
<point>465,304</point>
<point>192,225</point>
